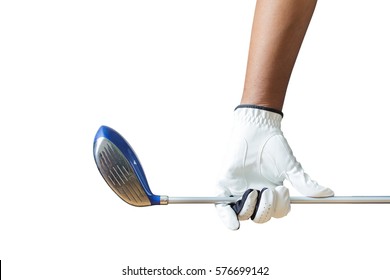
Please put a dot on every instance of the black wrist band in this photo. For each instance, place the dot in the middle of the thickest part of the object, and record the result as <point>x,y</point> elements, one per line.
<point>259,107</point>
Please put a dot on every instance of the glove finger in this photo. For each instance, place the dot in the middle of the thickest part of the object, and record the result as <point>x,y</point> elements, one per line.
<point>265,206</point>
<point>246,205</point>
<point>228,216</point>
<point>282,202</point>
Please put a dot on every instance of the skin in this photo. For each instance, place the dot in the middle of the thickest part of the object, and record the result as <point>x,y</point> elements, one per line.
<point>279,27</point>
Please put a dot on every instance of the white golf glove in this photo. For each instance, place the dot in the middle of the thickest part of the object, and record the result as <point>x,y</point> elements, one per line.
<point>259,160</point>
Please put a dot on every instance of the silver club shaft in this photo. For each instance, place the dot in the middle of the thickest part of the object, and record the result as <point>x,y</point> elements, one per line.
<point>294,200</point>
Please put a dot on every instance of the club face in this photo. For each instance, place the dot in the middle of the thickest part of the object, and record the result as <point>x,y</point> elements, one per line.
<point>121,169</point>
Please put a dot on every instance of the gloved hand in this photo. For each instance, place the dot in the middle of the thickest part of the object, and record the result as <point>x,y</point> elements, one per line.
<point>259,160</point>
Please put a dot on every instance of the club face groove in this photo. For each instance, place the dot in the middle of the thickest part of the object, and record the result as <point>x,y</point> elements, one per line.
<point>121,169</point>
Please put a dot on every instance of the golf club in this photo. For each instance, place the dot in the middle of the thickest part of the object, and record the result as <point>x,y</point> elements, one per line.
<point>122,171</point>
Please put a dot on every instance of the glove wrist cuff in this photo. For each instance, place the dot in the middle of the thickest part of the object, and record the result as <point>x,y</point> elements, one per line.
<point>257,116</point>
<point>259,108</point>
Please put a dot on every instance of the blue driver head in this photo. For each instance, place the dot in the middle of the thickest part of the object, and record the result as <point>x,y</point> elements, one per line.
<point>121,169</point>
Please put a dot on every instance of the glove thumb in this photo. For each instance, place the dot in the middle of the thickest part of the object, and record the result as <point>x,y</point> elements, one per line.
<point>292,170</point>
<point>305,185</point>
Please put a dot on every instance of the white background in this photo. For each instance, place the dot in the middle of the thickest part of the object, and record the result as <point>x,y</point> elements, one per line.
<point>167,75</point>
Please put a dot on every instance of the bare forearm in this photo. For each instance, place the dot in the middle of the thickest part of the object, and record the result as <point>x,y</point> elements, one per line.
<point>279,27</point>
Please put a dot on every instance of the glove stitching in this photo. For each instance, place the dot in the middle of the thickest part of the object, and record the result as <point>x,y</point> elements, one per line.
<point>280,173</point>
<point>243,164</point>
